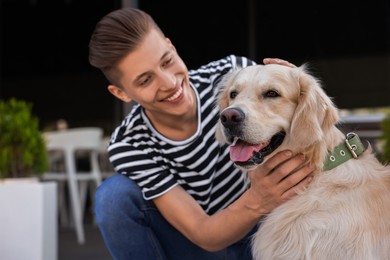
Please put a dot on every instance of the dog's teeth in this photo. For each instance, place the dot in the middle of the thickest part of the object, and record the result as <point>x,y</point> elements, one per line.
<point>234,141</point>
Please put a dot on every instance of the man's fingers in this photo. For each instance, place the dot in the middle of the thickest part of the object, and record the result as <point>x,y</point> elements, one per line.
<point>276,160</point>
<point>278,61</point>
<point>297,182</point>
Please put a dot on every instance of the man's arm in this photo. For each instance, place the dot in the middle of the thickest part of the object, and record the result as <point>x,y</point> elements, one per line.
<point>271,185</point>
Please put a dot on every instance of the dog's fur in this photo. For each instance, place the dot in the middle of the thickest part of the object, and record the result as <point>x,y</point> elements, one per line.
<point>345,212</point>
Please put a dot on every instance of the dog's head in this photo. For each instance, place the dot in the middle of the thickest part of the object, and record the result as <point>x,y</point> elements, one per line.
<point>265,108</point>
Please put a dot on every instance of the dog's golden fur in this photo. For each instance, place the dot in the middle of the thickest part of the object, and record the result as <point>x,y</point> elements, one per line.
<point>345,212</point>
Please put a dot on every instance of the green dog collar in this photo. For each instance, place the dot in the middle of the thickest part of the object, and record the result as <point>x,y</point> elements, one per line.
<point>352,147</point>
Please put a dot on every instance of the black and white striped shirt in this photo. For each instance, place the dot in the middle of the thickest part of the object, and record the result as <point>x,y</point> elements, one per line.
<point>200,164</point>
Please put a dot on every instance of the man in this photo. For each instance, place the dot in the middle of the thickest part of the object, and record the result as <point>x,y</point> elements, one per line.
<point>177,194</point>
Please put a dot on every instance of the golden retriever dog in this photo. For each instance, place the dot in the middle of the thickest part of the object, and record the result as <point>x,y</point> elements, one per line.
<point>345,212</point>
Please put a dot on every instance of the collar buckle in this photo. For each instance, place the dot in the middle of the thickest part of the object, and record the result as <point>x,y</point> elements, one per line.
<point>351,147</point>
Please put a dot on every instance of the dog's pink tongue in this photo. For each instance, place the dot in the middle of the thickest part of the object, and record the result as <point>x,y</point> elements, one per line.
<point>242,151</point>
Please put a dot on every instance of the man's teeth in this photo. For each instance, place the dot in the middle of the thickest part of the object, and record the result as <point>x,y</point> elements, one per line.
<point>176,95</point>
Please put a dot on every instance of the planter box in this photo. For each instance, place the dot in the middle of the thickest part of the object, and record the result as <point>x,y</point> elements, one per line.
<point>28,221</point>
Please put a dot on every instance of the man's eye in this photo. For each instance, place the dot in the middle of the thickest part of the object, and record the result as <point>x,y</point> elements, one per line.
<point>167,62</point>
<point>144,81</point>
<point>271,94</point>
<point>233,94</point>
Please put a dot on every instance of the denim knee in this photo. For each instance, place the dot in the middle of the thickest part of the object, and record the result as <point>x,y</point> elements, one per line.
<point>115,198</point>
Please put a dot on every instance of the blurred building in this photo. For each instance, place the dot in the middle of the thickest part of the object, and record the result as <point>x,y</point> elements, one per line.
<point>44,48</point>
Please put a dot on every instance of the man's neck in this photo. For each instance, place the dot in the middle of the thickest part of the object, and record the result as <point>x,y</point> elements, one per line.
<point>176,128</point>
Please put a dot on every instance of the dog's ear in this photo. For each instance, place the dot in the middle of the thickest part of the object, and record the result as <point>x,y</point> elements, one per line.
<point>315,112</point>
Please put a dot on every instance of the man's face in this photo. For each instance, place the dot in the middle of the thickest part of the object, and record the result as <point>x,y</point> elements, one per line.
<point>155,77</point>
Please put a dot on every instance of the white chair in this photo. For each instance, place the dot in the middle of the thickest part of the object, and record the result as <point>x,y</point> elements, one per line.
<point>64,145</point>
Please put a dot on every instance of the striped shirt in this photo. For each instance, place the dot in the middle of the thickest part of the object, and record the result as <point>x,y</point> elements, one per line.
<point>199,164</point>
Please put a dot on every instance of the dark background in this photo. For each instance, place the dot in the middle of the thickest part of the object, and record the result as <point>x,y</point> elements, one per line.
<point>44,48</point>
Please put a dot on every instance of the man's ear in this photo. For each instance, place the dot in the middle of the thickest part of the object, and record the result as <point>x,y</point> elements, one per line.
<point>119,93</point>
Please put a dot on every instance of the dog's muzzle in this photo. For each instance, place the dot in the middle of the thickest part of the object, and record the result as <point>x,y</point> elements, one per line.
<point>242,153</point>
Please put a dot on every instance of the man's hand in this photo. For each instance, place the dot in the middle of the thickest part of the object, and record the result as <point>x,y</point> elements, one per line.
<point>278,61</point>
<point>279,179</point>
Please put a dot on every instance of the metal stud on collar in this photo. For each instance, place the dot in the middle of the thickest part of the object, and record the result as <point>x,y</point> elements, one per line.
<point>352,148</point>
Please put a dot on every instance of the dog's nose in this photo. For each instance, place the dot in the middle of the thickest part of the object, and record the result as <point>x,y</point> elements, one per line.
<point>232,116</point>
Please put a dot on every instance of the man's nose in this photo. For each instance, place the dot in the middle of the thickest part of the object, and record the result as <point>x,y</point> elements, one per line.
<point>167,81</point>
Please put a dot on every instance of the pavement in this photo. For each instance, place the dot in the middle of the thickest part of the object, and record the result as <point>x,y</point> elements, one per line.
<point>93,248</point>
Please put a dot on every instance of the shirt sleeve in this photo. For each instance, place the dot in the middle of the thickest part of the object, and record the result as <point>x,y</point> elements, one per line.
<point>141,164</point>
<point>214,71</point>
<point>240,62</point>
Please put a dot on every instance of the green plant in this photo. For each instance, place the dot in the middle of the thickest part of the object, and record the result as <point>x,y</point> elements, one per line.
<point>22,146</point>
<point>385,127</point>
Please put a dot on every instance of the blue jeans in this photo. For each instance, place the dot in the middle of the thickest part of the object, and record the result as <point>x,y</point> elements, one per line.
<point>133,228</point>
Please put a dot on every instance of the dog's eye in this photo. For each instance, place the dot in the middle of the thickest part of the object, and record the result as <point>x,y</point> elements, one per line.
<point>233,94</point>
<point>271,94</point>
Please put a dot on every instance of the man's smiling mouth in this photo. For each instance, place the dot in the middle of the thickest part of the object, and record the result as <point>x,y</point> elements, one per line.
<point>176,95</point>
